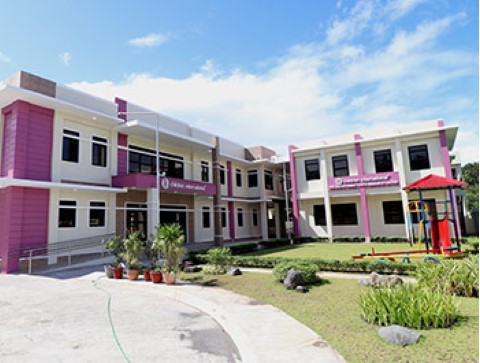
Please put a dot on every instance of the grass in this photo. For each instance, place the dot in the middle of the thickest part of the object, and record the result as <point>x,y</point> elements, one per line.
<point>331,251</point>
<point>332,310</point>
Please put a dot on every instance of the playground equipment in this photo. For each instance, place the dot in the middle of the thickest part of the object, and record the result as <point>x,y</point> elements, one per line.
<point>433,232</point>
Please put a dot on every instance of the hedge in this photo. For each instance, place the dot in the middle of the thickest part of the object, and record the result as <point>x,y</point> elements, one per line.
<point>323,265</point>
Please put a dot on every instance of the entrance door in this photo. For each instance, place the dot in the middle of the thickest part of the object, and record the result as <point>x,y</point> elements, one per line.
<point>137,218</point>
<point>272,232</point>
<point>174,214</point>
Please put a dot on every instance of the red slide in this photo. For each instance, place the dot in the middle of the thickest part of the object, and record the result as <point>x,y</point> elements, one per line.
<point>441,235</point>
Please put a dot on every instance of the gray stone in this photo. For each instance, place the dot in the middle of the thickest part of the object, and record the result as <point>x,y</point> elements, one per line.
<point>399,335</point>
<point>192,269</point>
<point>303,289</point>
<point>377,280</point>
<point>234,271</point>
<point>394,280</point>
<point>294,279</point>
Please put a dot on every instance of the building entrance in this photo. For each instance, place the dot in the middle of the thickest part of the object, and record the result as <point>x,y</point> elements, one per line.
<point>175,214</point>
<point>137,218</point>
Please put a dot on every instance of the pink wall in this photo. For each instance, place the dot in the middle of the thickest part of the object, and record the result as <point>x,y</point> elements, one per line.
<point>231,205</point>
<point>122,155</point>
<point>27,141</point>
<point>24,223</point>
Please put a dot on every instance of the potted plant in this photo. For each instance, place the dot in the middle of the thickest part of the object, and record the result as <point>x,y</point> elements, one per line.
<point>116,247</point>
<point>151,254</point>
<point>156,275</point>
<point>169,241</point>
<point>133,249</point>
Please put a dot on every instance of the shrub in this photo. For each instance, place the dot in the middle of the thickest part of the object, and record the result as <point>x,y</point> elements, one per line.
<point>246,248</point>
<point>408,305</point>
<point>219,257</point>
<point>455,277</point>
<point>308,269</point>
<point>273,243</point>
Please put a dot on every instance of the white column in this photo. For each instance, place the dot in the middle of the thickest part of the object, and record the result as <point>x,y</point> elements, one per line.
<point>264,220</point>
<point>403,182</point>
<point>53,223</point>
<point>326,194</point>
<point>151,213</point>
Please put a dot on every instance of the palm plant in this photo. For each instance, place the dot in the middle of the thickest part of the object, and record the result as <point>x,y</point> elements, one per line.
<point>116,247</point>
<point>133,249</point>
<point>169,241</point>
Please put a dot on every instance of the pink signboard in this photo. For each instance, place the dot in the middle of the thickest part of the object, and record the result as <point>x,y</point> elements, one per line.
<point>390,179</point>
<point>139,180</point>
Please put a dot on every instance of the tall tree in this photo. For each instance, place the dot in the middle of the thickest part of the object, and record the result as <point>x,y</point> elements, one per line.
<point>470,175</point>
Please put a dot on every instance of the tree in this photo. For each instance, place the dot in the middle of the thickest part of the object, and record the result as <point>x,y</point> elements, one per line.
<point>470,175</point>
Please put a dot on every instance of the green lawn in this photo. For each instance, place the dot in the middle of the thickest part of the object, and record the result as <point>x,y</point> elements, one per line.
<point>331,251</point>
<point>332,310</point>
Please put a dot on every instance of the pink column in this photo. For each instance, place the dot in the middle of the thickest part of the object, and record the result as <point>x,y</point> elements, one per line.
<point>231,205</point>
<point>122,154</point>
<point>448,170</point>
<point>293,178</point>
<point>121,107</point>
<point>363,194</point>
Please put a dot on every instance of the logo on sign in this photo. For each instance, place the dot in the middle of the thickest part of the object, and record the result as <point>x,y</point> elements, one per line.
<point>338,181</point>
<point>165,183</point>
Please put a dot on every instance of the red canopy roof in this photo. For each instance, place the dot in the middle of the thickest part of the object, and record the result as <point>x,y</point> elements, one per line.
<point>433,181</point>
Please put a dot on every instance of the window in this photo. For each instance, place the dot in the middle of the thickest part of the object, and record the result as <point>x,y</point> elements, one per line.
<point>144,161</point>
<point>312,169</point>
<point>206,217</point>
<point>224,217</point>
<point>252,179</point>
<point>240,217</point>
<point>238,177</point>
<point>319,215</point>
<point>71,145</point>
<point>222,174</point>
<point>254,217</point>
<point>97,214</point>
<point>268,180</point>
<point>344,214</point>
<point>383,161</point>
<point>205,171</point>
<point>340,165</point>
<point>67,214</point>
<point>418,156</point>
<point>393,212</point>
<point>99,151</point>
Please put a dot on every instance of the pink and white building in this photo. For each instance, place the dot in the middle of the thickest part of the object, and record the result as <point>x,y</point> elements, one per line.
<point>75,168</point>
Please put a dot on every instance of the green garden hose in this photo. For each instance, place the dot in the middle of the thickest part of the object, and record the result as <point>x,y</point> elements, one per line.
<point>109,312</point>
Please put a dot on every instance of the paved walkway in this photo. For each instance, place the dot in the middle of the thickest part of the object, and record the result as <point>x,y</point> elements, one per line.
<point>64,318</point>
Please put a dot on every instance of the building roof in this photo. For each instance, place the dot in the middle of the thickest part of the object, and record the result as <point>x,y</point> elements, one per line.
<point>433,181</point>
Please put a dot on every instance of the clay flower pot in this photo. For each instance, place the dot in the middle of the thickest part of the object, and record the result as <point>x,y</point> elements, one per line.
<point>156,276</point>
<point>170,278</point>
<point>146,275</point>
<point>133,274</point>
<point>117,272</point>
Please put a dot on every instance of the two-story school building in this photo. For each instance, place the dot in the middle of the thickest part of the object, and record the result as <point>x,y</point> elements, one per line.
<point>352,185</point>
<point>76,168</point>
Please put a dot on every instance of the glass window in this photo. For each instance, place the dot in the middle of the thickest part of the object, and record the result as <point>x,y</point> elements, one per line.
<point>393,212</point>
<point>383,161</point>
<point>97,214</point>
<point>319,215</point>
<point>344,214</point>
<point>254,217</point>
<point>205,171</point>
<point>224,217</point>
<point>67,214</point>
<point>418,156</point>
<point>99,151</point>
<point>240,217</point>
<point>71,145</point>
<point>340,165</point>
<point>206,217</point>
<point>144,161</point>
<point>252,179</point>
<point>312,169</point>
<point>222,174</point>
<point>238,177</point>
<point>268,180</point>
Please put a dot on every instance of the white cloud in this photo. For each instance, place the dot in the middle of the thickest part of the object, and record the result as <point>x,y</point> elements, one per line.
<point>149,40</point>
<point>4,58</point>
<point>399,8</point>
<point>318,90</point>
<point>65,58</point>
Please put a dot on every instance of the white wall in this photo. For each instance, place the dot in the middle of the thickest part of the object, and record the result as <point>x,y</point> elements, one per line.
<point>434,154</point>
<point>203,234</point>
<point>368,156</point>
<point>375,212</point>
<point>86,100</point>
<point>307,219</point>
<point>248,230</point>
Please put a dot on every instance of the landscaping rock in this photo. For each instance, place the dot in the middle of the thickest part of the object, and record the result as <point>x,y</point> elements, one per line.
<point>364,282</point>
<point>303,289</point>
<point>377,280</point>
<point>399,335</point>
<point>394,280</point>
<point>294,279</point>
<point>192,269</point>
<point>234,271</point>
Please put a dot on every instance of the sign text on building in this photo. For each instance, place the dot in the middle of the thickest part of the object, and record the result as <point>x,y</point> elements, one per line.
<point>364,181</point>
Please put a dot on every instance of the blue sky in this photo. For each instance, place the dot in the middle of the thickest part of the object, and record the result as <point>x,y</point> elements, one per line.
<point>269,72</point>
